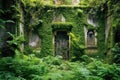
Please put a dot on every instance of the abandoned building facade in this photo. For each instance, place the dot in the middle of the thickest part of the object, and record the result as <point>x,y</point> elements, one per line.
<point>66,30</point>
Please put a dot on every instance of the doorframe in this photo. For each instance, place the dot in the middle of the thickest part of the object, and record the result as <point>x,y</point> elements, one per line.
<point>54,50</point>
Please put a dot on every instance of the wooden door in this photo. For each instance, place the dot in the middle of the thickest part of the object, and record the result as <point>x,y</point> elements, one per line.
<point>62,44</point>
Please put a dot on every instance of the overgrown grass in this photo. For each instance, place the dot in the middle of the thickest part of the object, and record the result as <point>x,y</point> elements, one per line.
<point>24,67</point>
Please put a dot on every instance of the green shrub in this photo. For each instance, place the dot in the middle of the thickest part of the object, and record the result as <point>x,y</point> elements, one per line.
<point>24,67</point>
<point>116,53</point>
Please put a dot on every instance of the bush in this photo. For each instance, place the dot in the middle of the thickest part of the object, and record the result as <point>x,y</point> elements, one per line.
<point>116,53</point>
<point>54,68</point>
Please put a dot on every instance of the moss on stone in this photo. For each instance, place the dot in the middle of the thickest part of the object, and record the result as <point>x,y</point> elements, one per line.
<point>67,26</point>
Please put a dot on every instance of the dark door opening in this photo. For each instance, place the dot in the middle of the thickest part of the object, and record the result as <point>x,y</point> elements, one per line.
<point>62,44</point>
<point>117,36</point>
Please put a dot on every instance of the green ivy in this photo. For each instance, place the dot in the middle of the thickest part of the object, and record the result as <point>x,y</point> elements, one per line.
<point>62,26</point>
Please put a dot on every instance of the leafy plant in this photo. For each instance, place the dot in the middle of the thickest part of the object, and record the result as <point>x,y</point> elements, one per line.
<point>24,67</point>
<point>3,22</point>
<point>17,40</point>
<point>78,49</point>
<point>116,53</point>
<point>11,44</point>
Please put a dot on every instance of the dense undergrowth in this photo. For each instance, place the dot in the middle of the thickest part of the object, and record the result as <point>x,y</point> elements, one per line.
<point>24,67</point>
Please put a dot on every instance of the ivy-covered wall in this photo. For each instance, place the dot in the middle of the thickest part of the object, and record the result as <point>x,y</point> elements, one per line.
<point>45,32</point>
<point>77,16</point>
<point>71,14</point>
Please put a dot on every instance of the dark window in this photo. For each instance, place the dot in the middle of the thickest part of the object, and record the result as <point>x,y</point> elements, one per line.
<point>90,38</point>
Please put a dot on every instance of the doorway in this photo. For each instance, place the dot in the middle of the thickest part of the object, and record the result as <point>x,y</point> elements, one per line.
<point>62,44</point>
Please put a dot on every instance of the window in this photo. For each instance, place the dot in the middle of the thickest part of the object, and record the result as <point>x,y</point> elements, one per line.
<point>91,38</point>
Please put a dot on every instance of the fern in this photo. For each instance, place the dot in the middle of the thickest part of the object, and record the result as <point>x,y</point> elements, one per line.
<point>24,67</point>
